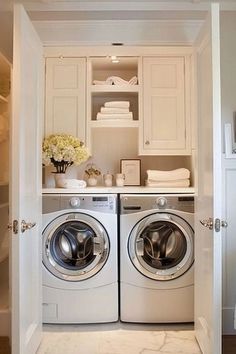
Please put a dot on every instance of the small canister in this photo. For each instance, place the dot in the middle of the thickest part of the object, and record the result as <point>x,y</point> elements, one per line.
<point>120,179</point>
<point>107,177</point>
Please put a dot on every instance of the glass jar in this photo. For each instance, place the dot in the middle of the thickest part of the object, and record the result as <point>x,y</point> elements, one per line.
<point>120,179</point>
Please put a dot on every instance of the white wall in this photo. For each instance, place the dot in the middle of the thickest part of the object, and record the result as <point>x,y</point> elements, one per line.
<point>228,83</point>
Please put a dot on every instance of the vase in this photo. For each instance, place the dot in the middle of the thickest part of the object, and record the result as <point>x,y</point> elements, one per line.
<point>92,181</point>
<point>59,179</point>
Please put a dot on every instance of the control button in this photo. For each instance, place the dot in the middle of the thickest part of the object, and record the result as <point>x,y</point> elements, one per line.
<point>161,202</point>
<point>75,202</point>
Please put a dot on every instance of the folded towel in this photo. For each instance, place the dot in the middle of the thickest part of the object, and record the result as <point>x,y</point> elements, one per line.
<point>101,116</point>
<point>72,183</point>
<point>114,110</point>
<point>108,81</point>
<point>156,175</point>
<point>170,184</point>
<point>117,104</point>
<point>133,80</point>
<point>116,80</point>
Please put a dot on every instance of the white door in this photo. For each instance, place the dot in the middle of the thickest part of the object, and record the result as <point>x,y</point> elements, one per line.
<point>27,109</point>
<point>208,259</point>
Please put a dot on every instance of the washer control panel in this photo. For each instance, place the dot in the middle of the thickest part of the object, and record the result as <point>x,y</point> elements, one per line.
<point>106,203</point>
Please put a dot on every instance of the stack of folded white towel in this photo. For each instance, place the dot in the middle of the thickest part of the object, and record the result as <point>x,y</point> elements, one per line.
<point>174,178</point>
<point>115,110</point>
<point>116,80</point>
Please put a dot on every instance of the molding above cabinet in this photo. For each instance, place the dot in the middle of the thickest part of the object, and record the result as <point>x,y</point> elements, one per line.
<point>129,32</point>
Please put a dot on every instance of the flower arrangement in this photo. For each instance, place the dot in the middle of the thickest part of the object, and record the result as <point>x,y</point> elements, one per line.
<point>92,171</point>
<point>62,151</point>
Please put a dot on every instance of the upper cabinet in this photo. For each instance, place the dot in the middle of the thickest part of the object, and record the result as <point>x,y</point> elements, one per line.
<point>150,91</point>
<point>165,126</point>
<point>66,96</point>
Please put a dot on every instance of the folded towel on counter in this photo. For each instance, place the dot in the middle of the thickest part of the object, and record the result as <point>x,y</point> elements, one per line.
<point>170,184</point>
<point>72,183</point>
<point>117,104</point>
<point>114,110</point>
<point>101,116</point>
<point>156,175</point>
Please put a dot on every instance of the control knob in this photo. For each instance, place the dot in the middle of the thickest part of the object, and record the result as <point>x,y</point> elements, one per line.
<point>161,202</point>
<point>75,202</point>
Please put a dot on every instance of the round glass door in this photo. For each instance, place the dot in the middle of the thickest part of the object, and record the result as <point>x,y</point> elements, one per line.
<point>161,246</point>
<point>75,247</point>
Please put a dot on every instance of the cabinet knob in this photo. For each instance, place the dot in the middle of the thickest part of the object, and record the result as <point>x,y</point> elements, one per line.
<point>147,142</point>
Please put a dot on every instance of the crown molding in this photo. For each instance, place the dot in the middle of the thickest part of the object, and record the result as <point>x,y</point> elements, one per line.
<point>116,6</point>
<point>129,32</point>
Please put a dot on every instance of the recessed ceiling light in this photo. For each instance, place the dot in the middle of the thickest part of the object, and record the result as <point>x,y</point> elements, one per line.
<point>114,59</point>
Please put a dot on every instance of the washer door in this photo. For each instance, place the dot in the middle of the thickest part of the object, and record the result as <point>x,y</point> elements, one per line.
<point>75,246</point>
<point>161,246</point>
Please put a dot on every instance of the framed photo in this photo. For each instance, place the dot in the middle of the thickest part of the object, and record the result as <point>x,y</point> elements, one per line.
<point>132,171</point>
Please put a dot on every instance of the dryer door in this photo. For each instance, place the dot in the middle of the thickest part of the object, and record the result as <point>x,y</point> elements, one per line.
<point>75,246</point>
<point>161,246</point>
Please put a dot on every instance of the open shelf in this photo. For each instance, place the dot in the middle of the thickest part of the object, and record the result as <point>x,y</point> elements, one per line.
<point>114,88</point>
<point>116,123</point>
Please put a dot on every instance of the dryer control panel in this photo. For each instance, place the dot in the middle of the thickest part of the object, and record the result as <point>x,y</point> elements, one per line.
<point>133,203</point>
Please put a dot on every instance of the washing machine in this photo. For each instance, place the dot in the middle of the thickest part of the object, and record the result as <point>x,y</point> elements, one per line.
<point>80,272</point>
<point>156,258</point>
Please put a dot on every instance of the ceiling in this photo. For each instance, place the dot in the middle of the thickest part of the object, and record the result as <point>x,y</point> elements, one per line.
<point>83,22</point>
<point>80,10</point>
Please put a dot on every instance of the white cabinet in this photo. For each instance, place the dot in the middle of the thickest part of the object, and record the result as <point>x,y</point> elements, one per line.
<point>66,96</point>
<point>166,120</point>
<point>77,89</point>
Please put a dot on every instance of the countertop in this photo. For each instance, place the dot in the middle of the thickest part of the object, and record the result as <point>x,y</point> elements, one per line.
<point>119,190</point>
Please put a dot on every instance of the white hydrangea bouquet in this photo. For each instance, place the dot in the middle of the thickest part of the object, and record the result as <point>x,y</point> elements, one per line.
<point>62,151</point>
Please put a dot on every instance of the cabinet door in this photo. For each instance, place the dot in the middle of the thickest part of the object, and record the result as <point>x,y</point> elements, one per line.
<point>165,127</point>
<point>65,96</point>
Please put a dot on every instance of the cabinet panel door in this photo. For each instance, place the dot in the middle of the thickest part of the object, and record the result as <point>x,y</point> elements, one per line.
<point>65,96</point>
<point>164,119</point>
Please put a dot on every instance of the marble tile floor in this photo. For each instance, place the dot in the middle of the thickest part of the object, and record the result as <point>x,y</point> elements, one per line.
<point>118,338</point>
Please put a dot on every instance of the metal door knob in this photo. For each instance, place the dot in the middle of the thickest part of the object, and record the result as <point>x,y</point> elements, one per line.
<point>147,142</point>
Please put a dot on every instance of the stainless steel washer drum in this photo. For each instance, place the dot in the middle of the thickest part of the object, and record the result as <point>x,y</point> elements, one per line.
<point>75,246</point>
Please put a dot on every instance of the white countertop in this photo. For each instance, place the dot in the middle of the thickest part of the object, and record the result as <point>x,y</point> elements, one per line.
<point>116,190</point>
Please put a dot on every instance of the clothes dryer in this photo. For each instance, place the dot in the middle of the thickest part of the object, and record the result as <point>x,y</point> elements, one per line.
<point>156,258</point>
<point>80,272</point>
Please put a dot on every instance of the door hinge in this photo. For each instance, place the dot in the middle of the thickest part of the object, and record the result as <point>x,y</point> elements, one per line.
<point>217,225</point>
<point>14,227</point>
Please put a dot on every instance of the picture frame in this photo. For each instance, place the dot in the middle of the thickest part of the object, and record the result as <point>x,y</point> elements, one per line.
<point>131,168</point>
